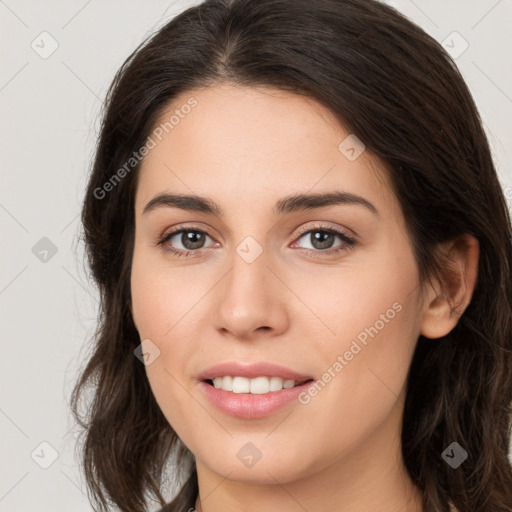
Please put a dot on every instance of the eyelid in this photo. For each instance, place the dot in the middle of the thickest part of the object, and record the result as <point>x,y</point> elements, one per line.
<point>173,230</point>
<point>319,225</point>
<point>179,228</point>
<point>304,229</point>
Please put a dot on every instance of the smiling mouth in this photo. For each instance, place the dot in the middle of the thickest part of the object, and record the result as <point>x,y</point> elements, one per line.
<point>256,386</point>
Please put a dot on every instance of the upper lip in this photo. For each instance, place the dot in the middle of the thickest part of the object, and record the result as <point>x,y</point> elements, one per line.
<point>251,371</point>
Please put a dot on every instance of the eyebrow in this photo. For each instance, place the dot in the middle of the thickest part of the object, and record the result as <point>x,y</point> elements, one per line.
<point>289,204</point>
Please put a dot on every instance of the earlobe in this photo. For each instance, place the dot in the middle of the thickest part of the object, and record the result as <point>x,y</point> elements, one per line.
<point>447,300</point>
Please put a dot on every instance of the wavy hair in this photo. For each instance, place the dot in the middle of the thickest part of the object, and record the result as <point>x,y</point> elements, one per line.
<point>397,90</point>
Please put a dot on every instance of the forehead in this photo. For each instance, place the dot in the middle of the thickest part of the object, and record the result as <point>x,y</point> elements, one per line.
<point>248,143</point>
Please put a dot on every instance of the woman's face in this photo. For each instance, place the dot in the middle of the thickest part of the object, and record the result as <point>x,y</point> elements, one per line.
<point>268,280</point>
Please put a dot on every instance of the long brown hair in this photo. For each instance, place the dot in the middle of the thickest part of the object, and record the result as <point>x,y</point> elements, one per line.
<point>395,88</point>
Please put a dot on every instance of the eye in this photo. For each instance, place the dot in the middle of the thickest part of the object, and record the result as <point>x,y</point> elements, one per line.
<point>191,240</point>
<point>322,240</point>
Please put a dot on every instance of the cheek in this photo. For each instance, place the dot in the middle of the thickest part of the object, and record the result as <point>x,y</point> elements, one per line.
<point>371,377</point>
<point>166,307</point>
<point>162,297</point>
<point>374,317</point>
<point>372,303</point>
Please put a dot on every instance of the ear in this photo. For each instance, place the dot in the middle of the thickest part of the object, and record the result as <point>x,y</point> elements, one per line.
<point>448,299</point>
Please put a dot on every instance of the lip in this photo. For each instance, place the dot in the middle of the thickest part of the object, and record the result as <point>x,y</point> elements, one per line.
<point>248,405</point>
<point>251,371</point>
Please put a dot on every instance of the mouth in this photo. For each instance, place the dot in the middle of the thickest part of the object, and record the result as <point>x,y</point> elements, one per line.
<point>252,390</point>
<point>261,385</point>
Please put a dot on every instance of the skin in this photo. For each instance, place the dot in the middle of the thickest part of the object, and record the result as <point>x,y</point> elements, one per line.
<point>246,148</point>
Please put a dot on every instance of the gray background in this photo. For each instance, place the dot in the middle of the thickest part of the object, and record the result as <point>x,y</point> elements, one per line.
<point>49,121</point>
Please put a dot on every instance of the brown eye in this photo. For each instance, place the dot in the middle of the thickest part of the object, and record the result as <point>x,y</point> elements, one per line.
<point>321,239</point>
<point>183,242</point>
<point>190,239</point>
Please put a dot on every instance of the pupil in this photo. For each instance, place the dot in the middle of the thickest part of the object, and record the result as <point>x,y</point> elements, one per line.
<point>192,239</point>
<point>322,239</point>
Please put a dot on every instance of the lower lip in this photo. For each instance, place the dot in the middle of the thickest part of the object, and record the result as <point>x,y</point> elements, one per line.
<point>248,405</point>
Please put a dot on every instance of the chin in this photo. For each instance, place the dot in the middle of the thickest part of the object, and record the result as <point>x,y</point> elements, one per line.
<point>266,470</point>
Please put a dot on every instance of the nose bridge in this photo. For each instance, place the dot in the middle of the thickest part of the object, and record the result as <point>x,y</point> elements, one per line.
<point>248,281</point>
<point>250,295</point>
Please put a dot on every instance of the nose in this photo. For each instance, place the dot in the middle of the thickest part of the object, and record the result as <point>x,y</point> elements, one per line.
<point>251,301</point>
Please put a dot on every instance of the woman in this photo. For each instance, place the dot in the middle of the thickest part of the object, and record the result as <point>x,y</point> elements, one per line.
<point>303,253</point>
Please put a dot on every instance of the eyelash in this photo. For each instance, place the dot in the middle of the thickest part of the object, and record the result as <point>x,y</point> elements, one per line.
<point>348,242</point>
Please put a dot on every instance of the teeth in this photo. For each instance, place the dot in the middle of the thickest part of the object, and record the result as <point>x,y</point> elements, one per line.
<point>240,385</point>
<point>276,383</point>
<point>256,386</point>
